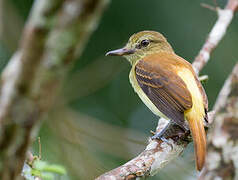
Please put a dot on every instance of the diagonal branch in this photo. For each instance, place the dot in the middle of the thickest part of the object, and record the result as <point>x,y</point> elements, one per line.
<point>55,33</point>
<point>157,153</point>
<point>221,162</point>
<point>218,31</point>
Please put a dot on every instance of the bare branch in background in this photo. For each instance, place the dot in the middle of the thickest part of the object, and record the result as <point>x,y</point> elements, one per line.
<point>157,154</point>
<point>218,31</point>
<point>221,162</point>
<point>55,33</point>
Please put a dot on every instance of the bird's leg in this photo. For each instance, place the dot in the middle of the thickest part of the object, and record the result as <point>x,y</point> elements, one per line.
<point>159,135</point>
<point>183,126</point>
<point>165,133</point>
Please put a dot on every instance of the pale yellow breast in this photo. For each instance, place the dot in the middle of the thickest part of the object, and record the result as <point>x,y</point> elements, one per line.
<point>142,95</point>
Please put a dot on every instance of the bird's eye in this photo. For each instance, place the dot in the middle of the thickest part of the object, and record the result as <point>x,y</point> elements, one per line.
<point>145,43</point>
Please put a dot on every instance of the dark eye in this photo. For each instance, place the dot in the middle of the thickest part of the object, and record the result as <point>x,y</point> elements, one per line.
<point>144,42</point>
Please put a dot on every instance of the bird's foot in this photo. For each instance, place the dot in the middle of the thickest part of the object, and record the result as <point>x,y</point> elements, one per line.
<point>159,136</point>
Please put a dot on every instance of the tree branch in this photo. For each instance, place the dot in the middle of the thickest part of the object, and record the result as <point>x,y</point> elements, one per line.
<point>158,153</point>
<point>55,33</point>
<point>216,34</point>
<point>221,162</point>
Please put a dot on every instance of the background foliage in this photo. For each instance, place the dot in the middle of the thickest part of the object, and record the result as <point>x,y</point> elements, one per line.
<point>98,122</point>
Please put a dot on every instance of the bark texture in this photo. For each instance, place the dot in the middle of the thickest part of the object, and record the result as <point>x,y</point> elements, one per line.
<point>55,33</point>
<point>222,156</point>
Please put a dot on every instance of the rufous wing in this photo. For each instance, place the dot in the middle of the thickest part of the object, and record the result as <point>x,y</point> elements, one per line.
<point>165,89</point>
<point>158,77</point>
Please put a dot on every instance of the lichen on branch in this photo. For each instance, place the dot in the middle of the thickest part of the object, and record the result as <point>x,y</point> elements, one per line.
<point>55,33</point>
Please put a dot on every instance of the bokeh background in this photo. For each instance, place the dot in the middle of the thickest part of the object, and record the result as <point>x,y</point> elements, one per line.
<point>98,122</point>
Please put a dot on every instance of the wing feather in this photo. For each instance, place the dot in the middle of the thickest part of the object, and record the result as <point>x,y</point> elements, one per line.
<point>165,89</point>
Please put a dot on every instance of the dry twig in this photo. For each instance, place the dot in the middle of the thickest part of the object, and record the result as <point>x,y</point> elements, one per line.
<point>216,34</point>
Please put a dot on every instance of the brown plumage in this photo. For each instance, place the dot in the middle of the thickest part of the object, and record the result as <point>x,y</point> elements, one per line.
<point>157,76</point>
<point>167,84</point>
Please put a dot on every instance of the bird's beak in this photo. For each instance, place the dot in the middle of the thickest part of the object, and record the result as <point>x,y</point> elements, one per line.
<point>120,52</point>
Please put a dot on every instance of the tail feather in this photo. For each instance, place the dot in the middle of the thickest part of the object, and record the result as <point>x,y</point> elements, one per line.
<point>199,139</point>
<point>196,114</point>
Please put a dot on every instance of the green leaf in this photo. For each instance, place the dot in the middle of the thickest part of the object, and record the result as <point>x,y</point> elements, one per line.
<point>55,169</point>
<point>43,166</point>
<point>40,165</point>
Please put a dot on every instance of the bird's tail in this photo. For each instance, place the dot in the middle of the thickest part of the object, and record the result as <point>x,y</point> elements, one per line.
<point>199,139</point>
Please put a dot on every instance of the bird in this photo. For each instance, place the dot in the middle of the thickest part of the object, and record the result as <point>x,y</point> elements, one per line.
<point>168,86</point>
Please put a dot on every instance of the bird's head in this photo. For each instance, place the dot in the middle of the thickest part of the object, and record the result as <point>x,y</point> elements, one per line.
<point>142,44</point>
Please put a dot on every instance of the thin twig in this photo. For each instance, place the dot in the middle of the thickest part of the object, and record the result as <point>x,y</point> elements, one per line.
<point>217,33</point>
<point>203,78</point>
<point>208,6</point>
<point>39,143</point>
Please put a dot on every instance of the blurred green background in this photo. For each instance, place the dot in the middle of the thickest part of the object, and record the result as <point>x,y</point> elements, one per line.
<point>98,122</point>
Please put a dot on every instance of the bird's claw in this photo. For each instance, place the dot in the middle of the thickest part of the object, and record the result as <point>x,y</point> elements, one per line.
<point>159,136</point>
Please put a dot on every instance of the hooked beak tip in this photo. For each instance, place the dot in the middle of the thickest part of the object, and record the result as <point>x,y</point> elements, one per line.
<point>120,52</point>
<point>108,53</point>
